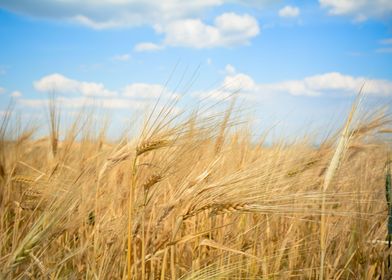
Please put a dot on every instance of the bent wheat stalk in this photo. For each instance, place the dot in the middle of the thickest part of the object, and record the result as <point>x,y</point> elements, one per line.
<point>331,170</point>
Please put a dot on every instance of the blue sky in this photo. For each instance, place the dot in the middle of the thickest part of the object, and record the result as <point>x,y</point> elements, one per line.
<point>292,62</point>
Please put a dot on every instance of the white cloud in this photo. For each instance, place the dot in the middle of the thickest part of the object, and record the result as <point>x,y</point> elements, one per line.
<point>77,102</point>
<point>134,95</point>
<point>147,47</point>
<point>289,11</point>
<point>333,82</point>
<point>16,94</point>
<point>2,90</point>
<point>122,57</point>
<point>233,83</point>
<point>179,20</point>
<point>60,84</point>
<point>360,9</point>
<point>228,29</point>
<point>111,13</point>
<point>94,89</point>
<point>138,95</point>
<point>56,82</point>
<point>317,85</point>
<point>239,82</point>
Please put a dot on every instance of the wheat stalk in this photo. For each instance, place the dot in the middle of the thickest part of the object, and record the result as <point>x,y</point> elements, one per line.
<point>331,170</point>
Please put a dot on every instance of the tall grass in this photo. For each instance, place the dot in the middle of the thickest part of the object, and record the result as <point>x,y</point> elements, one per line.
<point>194,197</point>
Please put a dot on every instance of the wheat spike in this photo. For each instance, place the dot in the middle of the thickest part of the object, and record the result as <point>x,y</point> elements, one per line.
<point>150,146</point>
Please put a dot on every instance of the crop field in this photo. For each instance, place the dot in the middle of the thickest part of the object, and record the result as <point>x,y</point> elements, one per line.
<point>195,139</point>
<point>193,197</point>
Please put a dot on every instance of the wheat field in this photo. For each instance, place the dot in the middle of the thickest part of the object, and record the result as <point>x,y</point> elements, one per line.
<point>192,196</point>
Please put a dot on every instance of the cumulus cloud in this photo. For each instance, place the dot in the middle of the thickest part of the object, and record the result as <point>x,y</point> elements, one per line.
<point>239,81</point>
<point>74,93</point>
<point>316,85</point>
<point>179,20</point>
<point>111,13</point>
<point>360,9</point>
<point>60,84</point>
<point>234,83</point>
<point>147,47</point>
<point>78,102</point>
<point>228,29</point>
<point>138,95</point>
<point>333,82</point>
<point>289,11</point>
<point>2,90</point>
